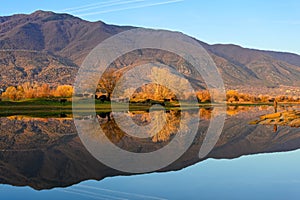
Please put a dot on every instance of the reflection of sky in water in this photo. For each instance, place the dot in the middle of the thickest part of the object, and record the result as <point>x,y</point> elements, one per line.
<point>264,176</point>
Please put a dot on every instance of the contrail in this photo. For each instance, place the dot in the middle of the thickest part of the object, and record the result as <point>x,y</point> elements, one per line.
<point>95,195</point>
<point>132,7</point>
<point>119,192</point>
<point>107,5</point>
<point>88,5</point>
<point>78,193</point>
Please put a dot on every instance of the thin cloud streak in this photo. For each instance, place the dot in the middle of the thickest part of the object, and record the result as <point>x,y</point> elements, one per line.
<point>81,194</point>
<point>119,192</point>
<point>132,7</point>
<point>88,5</point>
<point>108,5</point>
<point>96,195</point>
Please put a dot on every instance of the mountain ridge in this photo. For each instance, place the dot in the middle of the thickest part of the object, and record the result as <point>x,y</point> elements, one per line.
<point>72,38</point>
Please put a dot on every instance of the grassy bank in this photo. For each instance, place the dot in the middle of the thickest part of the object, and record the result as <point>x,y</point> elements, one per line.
<point>50,107</point>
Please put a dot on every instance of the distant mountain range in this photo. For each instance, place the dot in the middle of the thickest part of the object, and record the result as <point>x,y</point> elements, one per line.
<point>49,47</point>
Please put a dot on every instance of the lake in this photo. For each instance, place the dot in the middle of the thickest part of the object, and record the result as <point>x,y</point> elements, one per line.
<point>44,158</point>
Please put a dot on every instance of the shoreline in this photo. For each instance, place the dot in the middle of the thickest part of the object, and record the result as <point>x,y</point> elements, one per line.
<point>44,107</point>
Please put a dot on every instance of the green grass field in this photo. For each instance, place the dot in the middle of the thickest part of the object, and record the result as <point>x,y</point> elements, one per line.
<point>45,107</point>
<point>50,107</point>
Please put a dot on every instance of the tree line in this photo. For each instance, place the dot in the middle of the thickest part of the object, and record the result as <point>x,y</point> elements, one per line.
<point>34,90</point>
<point>154,92</point>
<point>233,96</point>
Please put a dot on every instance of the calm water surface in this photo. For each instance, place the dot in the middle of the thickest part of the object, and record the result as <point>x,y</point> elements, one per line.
<point>43,158</point>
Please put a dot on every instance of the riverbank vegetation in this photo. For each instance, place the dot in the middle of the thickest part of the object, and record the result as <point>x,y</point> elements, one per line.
<point>36,91</point>
<point>147,94</point>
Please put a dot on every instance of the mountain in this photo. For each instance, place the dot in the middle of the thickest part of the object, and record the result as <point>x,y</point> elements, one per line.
<point>58,43</point>
<point>261,67</point>
<point>60,34</point>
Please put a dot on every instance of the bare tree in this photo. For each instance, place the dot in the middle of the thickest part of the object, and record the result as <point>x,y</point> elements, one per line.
<point>108,82</point>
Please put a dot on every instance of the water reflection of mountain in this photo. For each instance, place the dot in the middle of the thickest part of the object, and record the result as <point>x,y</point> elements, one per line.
<point>47,153</point>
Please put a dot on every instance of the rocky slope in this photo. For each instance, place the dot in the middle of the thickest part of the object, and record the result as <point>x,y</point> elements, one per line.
<point>70,39</point>
<point>19,66</point>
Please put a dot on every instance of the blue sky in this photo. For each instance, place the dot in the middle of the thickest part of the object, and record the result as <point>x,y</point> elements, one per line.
<point>268,24</point>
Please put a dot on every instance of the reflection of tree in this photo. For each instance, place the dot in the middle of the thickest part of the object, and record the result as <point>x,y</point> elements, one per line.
<point>110,128</point>
<point>234,110</point>
<point>170,128</point>
<point>275,128</point>
<point>115,134</point>
<point>205,113</point>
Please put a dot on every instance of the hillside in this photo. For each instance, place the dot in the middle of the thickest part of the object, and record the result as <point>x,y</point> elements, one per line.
<point>27,66</point>
<point>58,44</point>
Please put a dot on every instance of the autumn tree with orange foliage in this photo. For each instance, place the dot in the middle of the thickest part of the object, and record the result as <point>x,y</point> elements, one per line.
<point>30,91</point>
<point>203,96</point>
<point>43,91</point>
<point>153,91</point>
<point>10,93</point>
<point>108,82</point>
<point>63,91</point>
